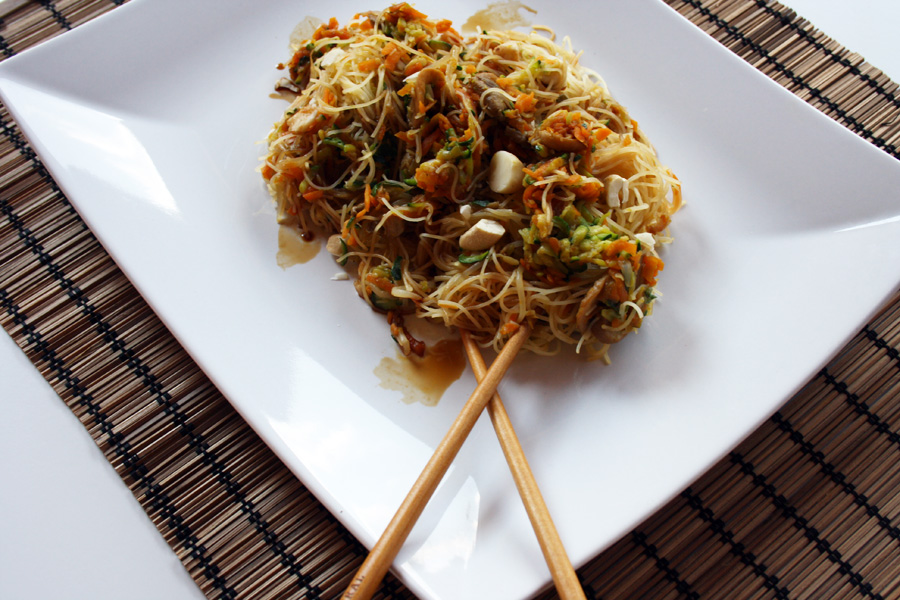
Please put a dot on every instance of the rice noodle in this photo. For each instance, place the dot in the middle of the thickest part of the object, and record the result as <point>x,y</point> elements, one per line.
<point>388,146</point>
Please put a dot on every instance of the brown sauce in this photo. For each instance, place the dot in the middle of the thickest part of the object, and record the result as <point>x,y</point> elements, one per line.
<point>423,380</point>
<point>285,95</point>
<point>293,249</point>
<point>499,16</point>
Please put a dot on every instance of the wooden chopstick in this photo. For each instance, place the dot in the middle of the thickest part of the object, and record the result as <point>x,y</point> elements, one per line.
<point>368,577</point>
<point>564,577</point>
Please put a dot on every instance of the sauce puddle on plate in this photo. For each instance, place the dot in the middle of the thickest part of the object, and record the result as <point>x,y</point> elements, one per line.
<point>425,379</point>
<point>293,249</point>
<point>499,15</point>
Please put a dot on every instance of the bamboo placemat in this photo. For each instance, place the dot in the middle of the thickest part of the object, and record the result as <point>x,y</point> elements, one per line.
<point>807,507</point>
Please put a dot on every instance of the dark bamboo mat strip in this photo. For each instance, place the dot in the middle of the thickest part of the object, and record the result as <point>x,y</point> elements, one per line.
<point>807,507</point>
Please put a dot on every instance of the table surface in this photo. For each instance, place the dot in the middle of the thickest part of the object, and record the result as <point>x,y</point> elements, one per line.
<point>71,518</point>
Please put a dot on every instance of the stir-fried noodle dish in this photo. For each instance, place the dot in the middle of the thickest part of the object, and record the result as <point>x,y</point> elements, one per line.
<point>481,182</point>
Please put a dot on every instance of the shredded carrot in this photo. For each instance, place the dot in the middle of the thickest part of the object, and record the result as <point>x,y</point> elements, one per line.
<point>331,30</point>
<point>545,168</point>
<point>601,134</point>
<point>391,61</point>
<point>388,48</point>
<point>313,195</point>
<point>589,190</point>
<point>553,243</point>
<point>366,25</point>
<point>443,25</point>
<point>526,197</point>
<point>405,90</point>
<point>328,97</point>
<point>405,10</point>
<point>583,135</point>
<point>614,289</point>
<point>367,204</point>
<point>268,172</point>
<point>379,282</point>
<point>476,158</point>
<point>292,168</point>
<point>432,181</point>
<point>620,245</point>
<point>414,66</point>
<point>367,66</point>
<point>393,54</point>
<point>469,69</point>
<point>525,103</point>
<point>651,266</point>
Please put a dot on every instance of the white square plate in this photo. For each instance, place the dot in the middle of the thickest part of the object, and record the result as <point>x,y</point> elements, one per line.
<point>149,119</point>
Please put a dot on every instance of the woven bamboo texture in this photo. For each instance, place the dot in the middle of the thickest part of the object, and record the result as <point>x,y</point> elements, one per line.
<point>807,507</point>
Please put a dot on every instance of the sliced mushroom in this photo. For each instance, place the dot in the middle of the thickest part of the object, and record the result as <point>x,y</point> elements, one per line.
<point>494,104</point>
<point>423,79</point>
<point>607,336</point>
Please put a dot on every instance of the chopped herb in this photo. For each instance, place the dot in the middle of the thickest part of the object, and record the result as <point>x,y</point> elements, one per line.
<point>440,45</point>
<point>481,203</point>
<point>563,225</point>
<point>410,181</point>
<point>396,270</point>
<point>468,259</point>
<point>384,303</point>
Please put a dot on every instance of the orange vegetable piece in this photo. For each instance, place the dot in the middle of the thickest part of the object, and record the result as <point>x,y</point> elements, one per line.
<point>650,268</point>
<point>620,245</point>
<point>367,66</point>
<point>525,103</point>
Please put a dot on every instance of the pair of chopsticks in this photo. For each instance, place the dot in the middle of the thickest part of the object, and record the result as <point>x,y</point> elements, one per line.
<point>367,579</point>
